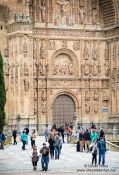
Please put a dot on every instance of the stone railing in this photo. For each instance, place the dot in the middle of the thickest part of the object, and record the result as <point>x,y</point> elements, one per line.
<point>112,146</point>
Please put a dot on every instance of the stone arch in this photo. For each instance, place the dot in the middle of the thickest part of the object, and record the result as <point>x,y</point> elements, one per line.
<point>71,54</point>
<point>73,101</point>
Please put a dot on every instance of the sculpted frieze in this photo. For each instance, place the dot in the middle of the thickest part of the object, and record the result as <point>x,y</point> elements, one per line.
<point>19,27</point>
<point>68,33</point>
<point>62,66</point>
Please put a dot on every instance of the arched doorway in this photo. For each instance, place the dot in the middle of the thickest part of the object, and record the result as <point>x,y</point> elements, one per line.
<point>63,109</point>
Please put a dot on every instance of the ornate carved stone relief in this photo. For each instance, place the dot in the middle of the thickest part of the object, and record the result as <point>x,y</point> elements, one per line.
<point>63,14</point>
<point>52,45</point>
<point>64,44</point>
<point>63,66</point>
<point>26,70</point>
<point>76,45</point>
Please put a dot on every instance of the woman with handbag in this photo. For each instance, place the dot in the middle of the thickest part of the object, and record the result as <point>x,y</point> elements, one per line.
<point>35,156</point>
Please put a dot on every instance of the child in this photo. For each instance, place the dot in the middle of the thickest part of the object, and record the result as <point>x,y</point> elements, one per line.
<point>35,156</point>
<point>94,152</point>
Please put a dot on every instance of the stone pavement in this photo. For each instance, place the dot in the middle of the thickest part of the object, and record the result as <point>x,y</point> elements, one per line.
<point>13,160</point>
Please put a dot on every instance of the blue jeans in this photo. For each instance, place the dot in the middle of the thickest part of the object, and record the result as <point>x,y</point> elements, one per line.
<point>46,137</point>
<point>44,162</point>
<point>102,157</point>
<point>57,152</point>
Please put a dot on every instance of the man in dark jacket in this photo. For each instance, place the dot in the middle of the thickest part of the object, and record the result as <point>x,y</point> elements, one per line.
<point>102,150</point>
<point>14,134</point>
<point>87,139</point>
<point>45,157</point>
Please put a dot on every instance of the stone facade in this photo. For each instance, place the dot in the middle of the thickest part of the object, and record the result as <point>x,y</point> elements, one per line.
<point>58,48</point>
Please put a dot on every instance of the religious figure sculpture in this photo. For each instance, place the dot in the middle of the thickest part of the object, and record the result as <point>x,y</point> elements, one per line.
<point>94,52</point>
<point>86,51</point>
<point>26,84</point>
<point>43,13</point>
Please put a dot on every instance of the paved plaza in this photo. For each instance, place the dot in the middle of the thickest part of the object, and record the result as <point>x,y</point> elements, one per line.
<point>13,160</point>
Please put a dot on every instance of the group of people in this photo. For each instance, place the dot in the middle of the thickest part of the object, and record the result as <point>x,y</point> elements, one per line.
<point>88,140</point>
<point>91,140</point>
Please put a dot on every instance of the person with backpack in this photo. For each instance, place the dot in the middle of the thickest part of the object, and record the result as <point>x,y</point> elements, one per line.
<point>94,152</point>
<point>45,157</point>
<point>35,156</point>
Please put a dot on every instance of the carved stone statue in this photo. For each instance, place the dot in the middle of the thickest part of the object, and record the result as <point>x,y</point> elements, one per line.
<point>81,3</point>
<point>64,43</point>
<point>43,107</point>
<point>87,106</point>
<point>94,52</point>
<point>95,96</point>
<point>76,45</point>
<point>43,96</point>
<point>86,51</point>
<point>94,4</point>
<point>94,16</point>
<point>26,84</point>
<point>43,50</point>
<point>43,13</point>
<point>107,69</point>
<point>51,45</point>
<point>81,15</point>
<point>107,52</point>
<point>95,107</point>
<point>86,69</point>
<point>26,69</point>
<point>25,51</point>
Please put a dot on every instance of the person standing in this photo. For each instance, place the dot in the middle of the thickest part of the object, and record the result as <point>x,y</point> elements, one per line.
<point>45,157</point>
<point>87,139</point>
<point>102,150</point>
<point>33,138</point>
<point>2,140</point>
<point>47,133</point>
<point>94,152</point>
<point>35,156</point>
<point>26,129</point>
<point>51,145</point>
<point>24,139</point>
<point>57,146</point>
<point>14,134</point>
<point>94,135</point>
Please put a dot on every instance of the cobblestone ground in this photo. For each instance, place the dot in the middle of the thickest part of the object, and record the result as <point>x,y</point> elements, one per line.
<point>13,160</point>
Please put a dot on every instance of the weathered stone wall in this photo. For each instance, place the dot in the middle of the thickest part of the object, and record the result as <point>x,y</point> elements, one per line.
<point>60,47</point>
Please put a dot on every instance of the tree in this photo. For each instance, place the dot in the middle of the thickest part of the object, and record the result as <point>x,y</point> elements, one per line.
<point>2,95</point>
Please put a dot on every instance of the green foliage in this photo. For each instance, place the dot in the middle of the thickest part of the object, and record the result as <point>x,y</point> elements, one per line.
<point>2,95</point>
